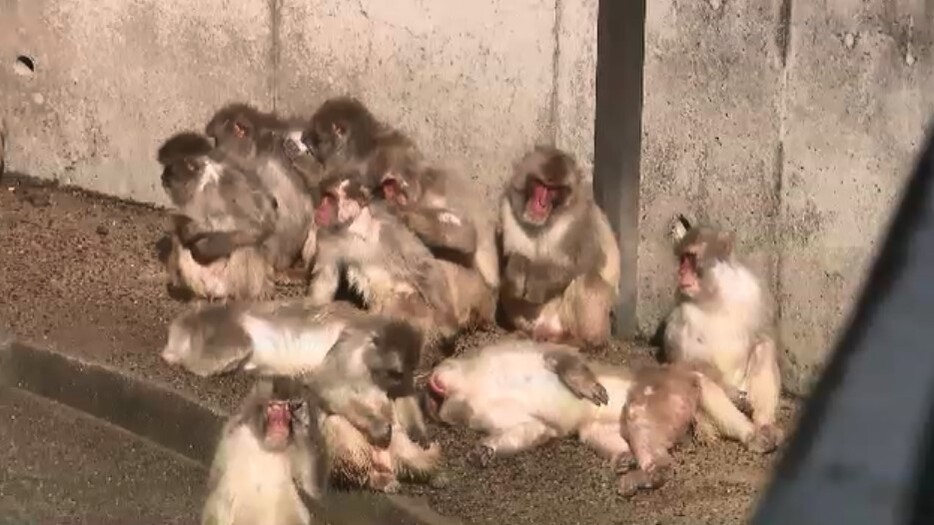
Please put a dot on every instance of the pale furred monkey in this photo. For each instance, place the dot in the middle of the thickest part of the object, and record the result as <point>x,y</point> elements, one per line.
<point>723,324</point>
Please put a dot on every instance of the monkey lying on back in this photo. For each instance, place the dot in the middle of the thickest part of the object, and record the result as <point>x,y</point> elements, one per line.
<point>223,216</point>
<point>561,272</point>
<point>445,214</point>
<point>359,367</point>
<point>270,144</point>
<point>270,460</point>
<point>384,262</point>
<point>522,394</point>
<point>722,323</point>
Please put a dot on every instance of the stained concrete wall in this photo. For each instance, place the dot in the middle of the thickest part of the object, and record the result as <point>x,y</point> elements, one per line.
<point>475,83</point>
<point>795,122</point>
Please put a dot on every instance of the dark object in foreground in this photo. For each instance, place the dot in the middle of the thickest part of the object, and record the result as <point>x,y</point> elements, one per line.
<point>864,450</point>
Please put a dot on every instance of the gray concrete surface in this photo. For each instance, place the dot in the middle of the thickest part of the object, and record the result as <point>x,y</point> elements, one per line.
<point>796,123</point>
<point>62,467</point>
<point>476,83</point>
<point>792,121</point>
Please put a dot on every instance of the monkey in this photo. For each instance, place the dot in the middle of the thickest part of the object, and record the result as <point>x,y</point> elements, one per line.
<point>450,219</point>
<point>343,130</point>
<point>270,462</point>
<point>523,393</point>
<point>394,273</point>
<point>443,212</point>
<point>266,142</point>
<point>359,366</point>
<point>222,217</point>
<point>722,323</point>
<point>561,260</point>
<point>356,463</point>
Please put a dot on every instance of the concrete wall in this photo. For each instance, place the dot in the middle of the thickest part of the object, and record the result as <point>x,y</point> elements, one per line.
<point>476,83</point>
<point>794,121</point>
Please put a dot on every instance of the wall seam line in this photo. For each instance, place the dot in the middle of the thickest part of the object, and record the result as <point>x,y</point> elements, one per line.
<point>556,72</point>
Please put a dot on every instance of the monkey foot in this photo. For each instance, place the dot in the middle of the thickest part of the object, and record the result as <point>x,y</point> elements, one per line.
<point>764,439</point>
<point>636,480</point>
<point>625,462</point>
<point>481,456</point>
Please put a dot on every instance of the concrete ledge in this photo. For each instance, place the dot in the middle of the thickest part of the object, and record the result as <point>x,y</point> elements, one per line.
<point>174,421</point>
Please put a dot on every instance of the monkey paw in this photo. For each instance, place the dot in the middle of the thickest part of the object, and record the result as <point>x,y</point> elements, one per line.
<point>764,439</point>
<point>625,462</point>
<point>481,456</point>
<point>380,434</point>
<point>439,480</point>
<point>631,482</point>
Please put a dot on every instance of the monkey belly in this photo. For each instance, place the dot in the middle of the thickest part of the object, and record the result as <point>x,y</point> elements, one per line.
<point>713,339</point>
<point>245,274</point>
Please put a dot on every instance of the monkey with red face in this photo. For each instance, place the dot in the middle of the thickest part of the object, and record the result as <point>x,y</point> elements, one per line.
<point>722,324</point>
<point>561,274</point>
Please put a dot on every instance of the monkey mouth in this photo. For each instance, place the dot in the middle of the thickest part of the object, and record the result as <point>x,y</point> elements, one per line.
<point>278,423</point>
<point>539,204</point>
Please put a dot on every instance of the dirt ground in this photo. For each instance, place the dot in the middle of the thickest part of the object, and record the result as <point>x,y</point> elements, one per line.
<point>80,273</point>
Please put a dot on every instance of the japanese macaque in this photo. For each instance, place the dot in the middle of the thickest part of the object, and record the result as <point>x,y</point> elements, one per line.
<point>271,146</point>
<point>271,460</point>
<point>522,394</point>
<point>223,216</point>
<point>722,323</point>
<point>443,212</point>
<point>561,273</point>
<point>385,263</point>
<point>343,130</point>
<point>450,218</point>
<point>359,366</point>
<point>355,462</point>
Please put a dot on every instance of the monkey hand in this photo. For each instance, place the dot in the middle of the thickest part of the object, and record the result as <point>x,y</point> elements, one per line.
<point>481,456</point>
<point>514,276</point>
<point>379,433</point>
<point>210,248</point>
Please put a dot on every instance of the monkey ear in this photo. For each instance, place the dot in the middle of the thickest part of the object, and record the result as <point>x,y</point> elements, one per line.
<point>726,240</point>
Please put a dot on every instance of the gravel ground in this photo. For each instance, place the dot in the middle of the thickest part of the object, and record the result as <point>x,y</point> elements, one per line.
<point>81,274</point>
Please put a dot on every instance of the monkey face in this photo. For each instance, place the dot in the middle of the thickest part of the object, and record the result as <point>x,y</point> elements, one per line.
<point>441,390</point>
<point>700,250</point>
<point>343,197</point>
<point>322,140</point>
<point>397,346</point>
<point>282,421</point>
<point>544,183</point>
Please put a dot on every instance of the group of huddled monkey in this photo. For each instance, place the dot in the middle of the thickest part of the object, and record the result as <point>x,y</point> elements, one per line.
<point>344,201</point>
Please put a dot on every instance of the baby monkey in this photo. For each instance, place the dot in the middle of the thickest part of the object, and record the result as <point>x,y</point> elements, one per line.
<point>561,272</point>
<point>722,325</point>
<point>223,216</point>
<point>270,461</point>
<point>522,394</point>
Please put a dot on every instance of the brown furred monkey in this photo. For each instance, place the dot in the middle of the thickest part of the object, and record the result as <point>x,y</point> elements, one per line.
<point>342,129</point>
<point>450,218</point>
<point>722,323</point>
<point>440,209</point>
<point>394,273</point>
<point>360,366</point>
<point>270,461</point>
<point>561,273</point>
<point>266,143</point>
<point>223,215</point>
<point>523,393</point>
